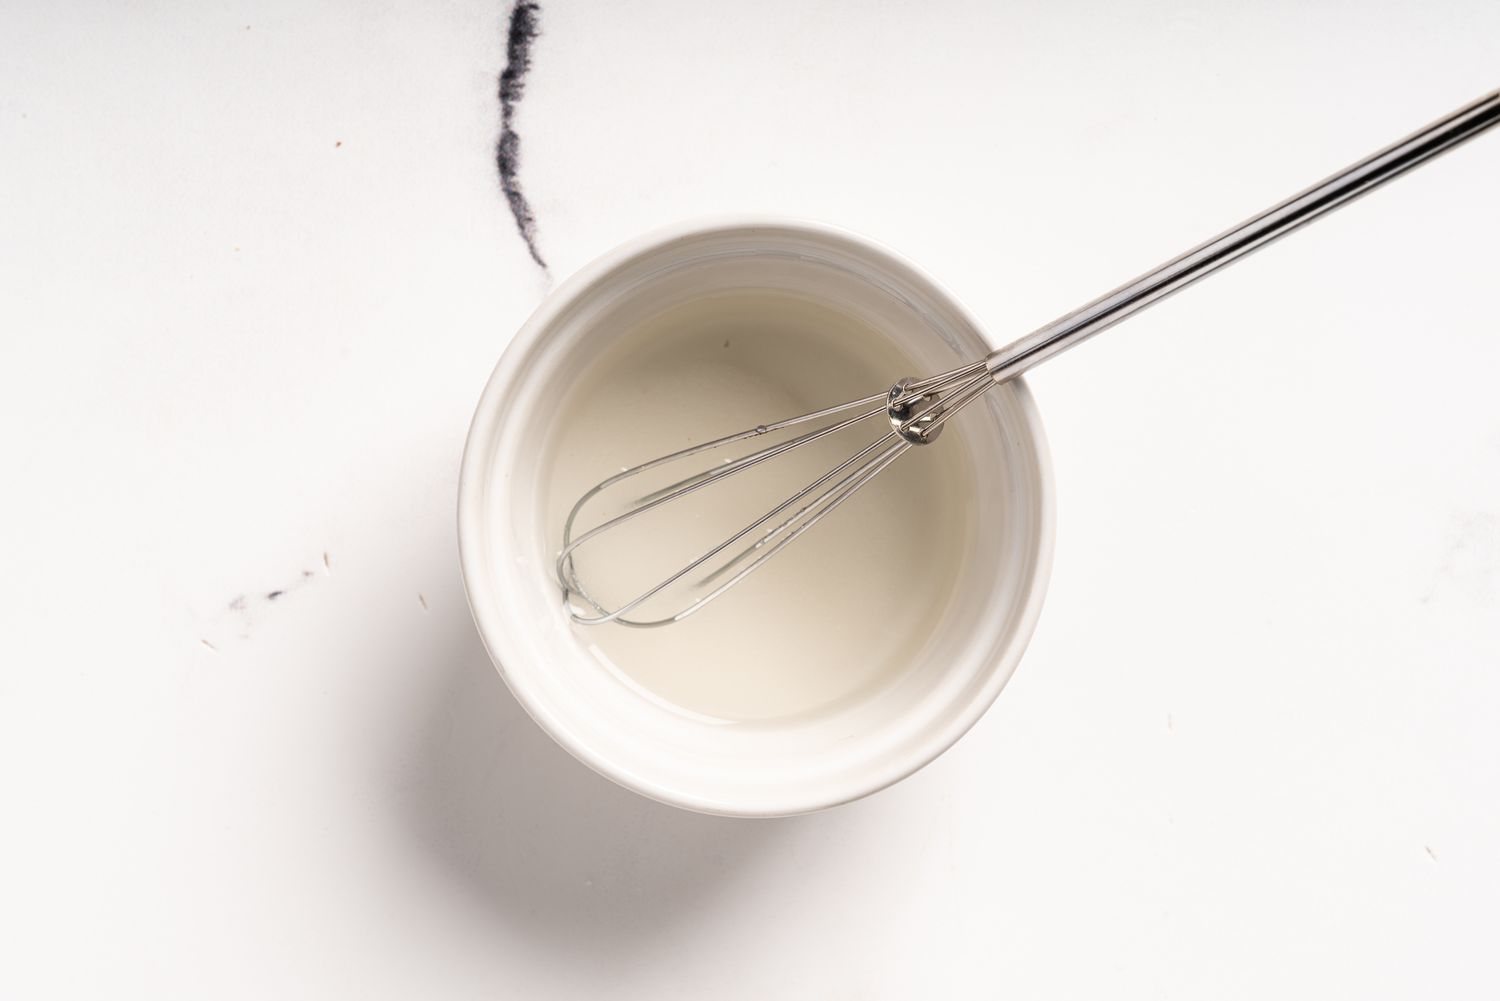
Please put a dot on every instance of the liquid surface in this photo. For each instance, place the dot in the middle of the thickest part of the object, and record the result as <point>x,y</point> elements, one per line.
<point>835,615</point>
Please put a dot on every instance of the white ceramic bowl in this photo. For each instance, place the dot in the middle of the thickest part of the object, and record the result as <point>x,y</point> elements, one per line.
<point>769,768</point>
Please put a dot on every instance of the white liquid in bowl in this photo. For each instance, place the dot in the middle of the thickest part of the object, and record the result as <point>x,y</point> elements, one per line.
<point>834,618</point>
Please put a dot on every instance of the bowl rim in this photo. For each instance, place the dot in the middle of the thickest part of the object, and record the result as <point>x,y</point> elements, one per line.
<point>471,512</point>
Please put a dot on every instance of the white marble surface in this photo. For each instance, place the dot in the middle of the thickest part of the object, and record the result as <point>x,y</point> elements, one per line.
<point>255,267</point>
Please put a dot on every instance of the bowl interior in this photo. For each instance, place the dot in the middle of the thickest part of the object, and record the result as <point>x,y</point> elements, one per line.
<point>777,765</point>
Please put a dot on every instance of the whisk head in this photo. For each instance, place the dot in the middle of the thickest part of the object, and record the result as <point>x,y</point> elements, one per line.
<point>915,411</point>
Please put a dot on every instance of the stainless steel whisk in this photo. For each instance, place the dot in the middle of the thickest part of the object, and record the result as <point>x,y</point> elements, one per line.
<point>917,409</point>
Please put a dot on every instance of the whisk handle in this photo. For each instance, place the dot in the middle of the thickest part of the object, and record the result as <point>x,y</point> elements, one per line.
<point>1246,238</point>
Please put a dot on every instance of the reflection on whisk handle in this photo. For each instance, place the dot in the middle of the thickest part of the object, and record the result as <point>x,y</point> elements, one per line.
<point>1249,236</point>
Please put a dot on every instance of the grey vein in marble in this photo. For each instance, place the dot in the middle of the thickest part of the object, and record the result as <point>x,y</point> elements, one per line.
<point>523,31</point>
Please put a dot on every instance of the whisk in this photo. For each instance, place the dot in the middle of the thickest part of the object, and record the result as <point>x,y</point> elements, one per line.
<point>913,412</point>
